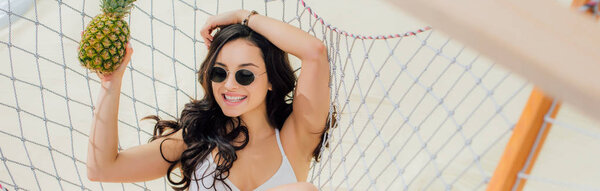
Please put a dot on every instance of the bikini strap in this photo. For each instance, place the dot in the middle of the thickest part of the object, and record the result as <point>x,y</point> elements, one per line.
<point>279,142</point>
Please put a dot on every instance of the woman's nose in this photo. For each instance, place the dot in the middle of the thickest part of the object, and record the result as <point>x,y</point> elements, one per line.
<point>230,82</point>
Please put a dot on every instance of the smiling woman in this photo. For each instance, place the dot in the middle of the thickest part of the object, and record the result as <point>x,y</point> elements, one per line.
<point>243,126</point>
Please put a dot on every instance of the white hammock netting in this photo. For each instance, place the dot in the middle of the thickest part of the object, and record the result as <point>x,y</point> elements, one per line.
<point>417,110</point>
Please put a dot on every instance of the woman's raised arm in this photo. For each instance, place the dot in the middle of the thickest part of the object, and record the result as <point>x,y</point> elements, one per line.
<point>104,162</point>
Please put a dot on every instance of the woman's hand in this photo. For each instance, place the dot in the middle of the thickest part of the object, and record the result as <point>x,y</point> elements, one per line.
<point>118,73</point>
<point>216,21</point>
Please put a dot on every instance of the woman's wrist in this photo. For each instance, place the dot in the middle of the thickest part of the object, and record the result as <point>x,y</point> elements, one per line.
<point>112,84</point>
<point>242,14</point>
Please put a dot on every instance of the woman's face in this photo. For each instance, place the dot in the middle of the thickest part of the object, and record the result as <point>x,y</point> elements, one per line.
<point>233,98</point>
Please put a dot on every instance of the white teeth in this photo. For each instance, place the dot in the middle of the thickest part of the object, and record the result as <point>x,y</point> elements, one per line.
<point>234,98</point>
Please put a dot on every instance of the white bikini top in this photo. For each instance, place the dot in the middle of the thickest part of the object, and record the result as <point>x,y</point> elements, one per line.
<point>284,175</point>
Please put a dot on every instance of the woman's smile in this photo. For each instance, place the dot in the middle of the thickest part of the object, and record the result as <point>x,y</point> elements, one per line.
<point>233,99</point>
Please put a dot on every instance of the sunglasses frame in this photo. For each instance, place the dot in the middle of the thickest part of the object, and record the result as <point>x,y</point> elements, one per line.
<point>254,76</point>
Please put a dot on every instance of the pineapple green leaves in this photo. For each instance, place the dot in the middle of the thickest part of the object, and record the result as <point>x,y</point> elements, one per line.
<point>118,8</point>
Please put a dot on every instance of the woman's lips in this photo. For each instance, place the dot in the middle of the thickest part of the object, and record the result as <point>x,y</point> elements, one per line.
<point>233,100</point>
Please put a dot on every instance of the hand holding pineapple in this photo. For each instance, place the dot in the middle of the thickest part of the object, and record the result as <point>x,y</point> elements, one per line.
<point>104,42</point>
<point>120,70</point>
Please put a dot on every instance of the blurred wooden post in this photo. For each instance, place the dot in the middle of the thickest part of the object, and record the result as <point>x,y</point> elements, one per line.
<point>522,141</point>
<point>542,41</point>
<point>524,136</point>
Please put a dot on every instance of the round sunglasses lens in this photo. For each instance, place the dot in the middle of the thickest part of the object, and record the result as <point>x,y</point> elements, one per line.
<point>244,77</point>
<point>218,74</point>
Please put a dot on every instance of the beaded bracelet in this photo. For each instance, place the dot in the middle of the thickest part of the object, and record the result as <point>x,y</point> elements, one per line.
<point>245,21</point>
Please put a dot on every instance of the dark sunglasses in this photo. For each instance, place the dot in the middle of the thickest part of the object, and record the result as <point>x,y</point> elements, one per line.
<point>243,77</point>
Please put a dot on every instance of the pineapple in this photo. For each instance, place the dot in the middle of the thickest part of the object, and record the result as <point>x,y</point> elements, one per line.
<point>103,42</point>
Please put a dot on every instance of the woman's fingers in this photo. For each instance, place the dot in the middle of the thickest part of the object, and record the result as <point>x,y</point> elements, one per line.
<point>205,33</point>
<point>128,53</point>
<point>126,59</point>
<point>215,21</point>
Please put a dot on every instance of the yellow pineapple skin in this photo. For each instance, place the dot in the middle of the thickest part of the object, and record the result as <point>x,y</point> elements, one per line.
<point>102,46</point>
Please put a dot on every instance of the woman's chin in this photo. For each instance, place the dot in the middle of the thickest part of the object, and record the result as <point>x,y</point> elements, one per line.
<point>231,114</point>
<point>231,109</point>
